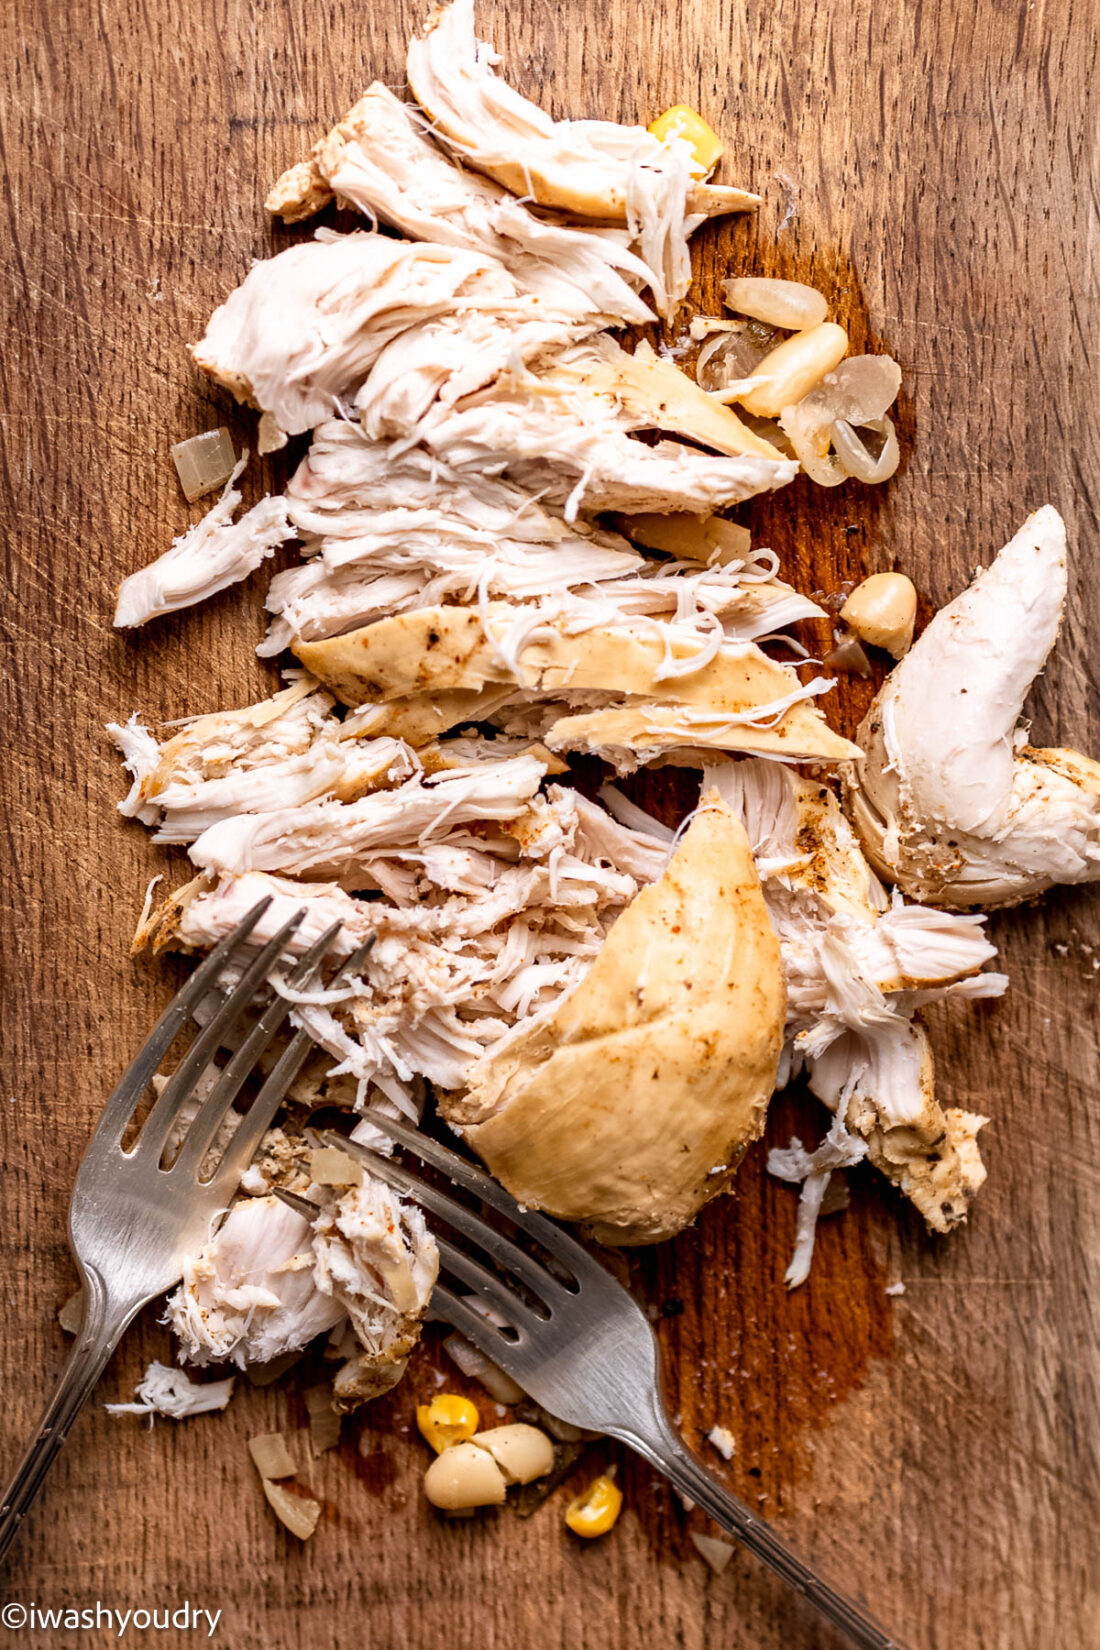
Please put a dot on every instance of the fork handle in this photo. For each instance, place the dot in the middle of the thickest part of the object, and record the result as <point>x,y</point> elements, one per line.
<point>663,1449</point>
<point>100,1332</point>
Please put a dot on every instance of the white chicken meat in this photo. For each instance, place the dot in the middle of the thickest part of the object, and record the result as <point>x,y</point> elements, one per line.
<point>381,159</point>
<point>213,554</point>
<point>858,968</point>
<point>951,802</point>
<point>589,168</point>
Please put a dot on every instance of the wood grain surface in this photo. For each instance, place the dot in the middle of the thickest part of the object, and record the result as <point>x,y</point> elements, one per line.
<point>933,168</point>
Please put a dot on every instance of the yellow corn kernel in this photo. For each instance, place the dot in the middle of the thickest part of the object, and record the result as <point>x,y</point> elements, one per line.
<point>595,1510</point>
<point>680,121</point>
<point>447,1420</point>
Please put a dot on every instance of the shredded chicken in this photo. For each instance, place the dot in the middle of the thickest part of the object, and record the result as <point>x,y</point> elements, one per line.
<point>305,327</point>
<point>858,968</point>
<point>381,159</point>
<point>951,802</point>
<point>269,1282</point>
<point>591,168</point>
<point>210,556</point>
<point>163,1390</point>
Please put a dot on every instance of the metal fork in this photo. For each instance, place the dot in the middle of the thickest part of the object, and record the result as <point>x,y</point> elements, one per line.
<point>133,1220</point>
<point>586,1352</point>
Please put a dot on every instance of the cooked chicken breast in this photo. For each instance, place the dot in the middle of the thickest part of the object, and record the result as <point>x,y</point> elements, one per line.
<point>951,803</point>
<point>589,168</point>
<point>630,1104</point>
<point>381,159</point>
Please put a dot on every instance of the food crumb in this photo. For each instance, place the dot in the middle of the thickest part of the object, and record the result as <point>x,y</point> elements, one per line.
<point>723,1440</point>
<point>895,1288</point>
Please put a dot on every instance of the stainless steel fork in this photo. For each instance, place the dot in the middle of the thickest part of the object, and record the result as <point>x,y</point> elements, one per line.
<point>133,1217</point>
<point>580,1345</point>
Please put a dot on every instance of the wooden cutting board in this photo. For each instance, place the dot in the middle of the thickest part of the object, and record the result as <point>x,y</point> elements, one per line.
<point>936,1452</point>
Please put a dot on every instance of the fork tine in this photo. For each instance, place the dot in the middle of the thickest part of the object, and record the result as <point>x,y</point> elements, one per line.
<point>146,1062</point>
<point>502,1299</point>
<point>257,1119</point>
<point>158,1124</point>
<point>216,1106</point>
<point>470,1322</point>
<point>471,1225</point>
<point>552,1236</point>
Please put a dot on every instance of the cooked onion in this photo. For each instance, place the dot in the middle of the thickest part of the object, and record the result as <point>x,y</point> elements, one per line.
<point>324,1421</point>
<point>786,304</point>
<point>204,463</point>
<point>474,1363</point>
<point>298,1512</point>
<point>71,1314</point>
<point>271,1456</point>
<point>714,1552</point>
<point>855,457</point>
<point>733,355</point>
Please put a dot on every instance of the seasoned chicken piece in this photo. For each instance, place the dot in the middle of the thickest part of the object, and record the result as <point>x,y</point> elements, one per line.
<point>571,443</point>
<point>630,1104</point>
<point>858,967</point>
<point>213,554</point>
<point>267,757</point>
<point>377,1257</point>
<point>590,168</point>
<point>951,803</point>
<point>268,1283</point>
<point>732,693</point>
<point>305,327</point>
<point>465,537</point>
<point>488,899</point>
<point>381,159</point>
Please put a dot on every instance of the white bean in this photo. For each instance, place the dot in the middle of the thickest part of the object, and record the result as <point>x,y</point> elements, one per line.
<point>795,368</point>
<point>464,1476</point>
<point>882,611</point>
<point>786,304</point>
<point>521,1452</point>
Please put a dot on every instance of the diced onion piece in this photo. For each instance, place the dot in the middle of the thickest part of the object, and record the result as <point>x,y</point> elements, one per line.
<point>329,1166</point>
<point>810,432</point>
<point>855,457</point>
<point>786,304</point>
<point>269,437</point>
<point>324,1421</point>
<point>682,122</point>
<point>849,655</point>
<point>273,1370</point>
<point>795,368</point>
<point>474,1363</point>
<point>72,1313</point>
<point>299,1513</point>
<point>271,1456</point>
<point>863,388</point>
<point>715,1554</point>
<point>732,356</point>
<point>204,463</point>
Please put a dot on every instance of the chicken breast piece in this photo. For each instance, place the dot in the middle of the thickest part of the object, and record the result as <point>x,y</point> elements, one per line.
<point>589,168</point>
<point>730,696</point>
<point>857,967</point>
<point>382,160</point>
<point>629,1105</point>
<point>305,327</point>
<point>951,803</point>
<point>210,556</point>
